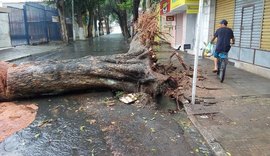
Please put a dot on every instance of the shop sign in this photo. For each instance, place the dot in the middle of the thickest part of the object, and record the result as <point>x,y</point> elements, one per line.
<point>193,9</point>
<point>55,19</point>
<point>169,18</point>
<point>164,7</point>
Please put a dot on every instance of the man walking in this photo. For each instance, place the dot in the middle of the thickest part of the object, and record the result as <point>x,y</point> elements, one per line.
<point>224,36</point>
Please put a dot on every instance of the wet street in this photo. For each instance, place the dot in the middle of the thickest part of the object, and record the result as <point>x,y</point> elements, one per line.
<point>96,123</point>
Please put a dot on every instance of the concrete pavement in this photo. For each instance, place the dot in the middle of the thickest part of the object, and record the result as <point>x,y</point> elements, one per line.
<point>232,116</point>
<point>18,52</point>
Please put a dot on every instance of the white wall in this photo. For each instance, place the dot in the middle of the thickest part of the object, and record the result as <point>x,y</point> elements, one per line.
<point>15,5</point>
<point>190,29</point>
<point>203,26</point>
<point>4,31</point>
<point>179,18</point>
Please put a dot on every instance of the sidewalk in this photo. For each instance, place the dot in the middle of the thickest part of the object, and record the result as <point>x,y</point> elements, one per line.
<point>232,116</point>
<point>18,52</point>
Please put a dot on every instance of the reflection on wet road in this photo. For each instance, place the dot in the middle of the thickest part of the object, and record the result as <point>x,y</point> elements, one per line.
<point>83,124</point>
<point>105,45</point>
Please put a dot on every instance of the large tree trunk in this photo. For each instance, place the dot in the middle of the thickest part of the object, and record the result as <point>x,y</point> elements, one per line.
<point>124,25</point>
<point>95,25</point>
<point>80,24</point>
<point>129,72</point>
<point>90,25</point>
<point>136,4</point>
<point>100,27</point>
<point>61,12</point>
<point>122,17</point>
<point>107,24</point>
<point>79,19</point>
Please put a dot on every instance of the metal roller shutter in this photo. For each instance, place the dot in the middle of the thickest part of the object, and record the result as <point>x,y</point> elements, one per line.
<point>248,23</point>
<point>224,10</point>
<point>265,41</point>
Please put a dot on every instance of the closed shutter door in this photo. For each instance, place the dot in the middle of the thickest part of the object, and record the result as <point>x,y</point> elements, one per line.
<point>224,10</point>
<point>265,41</point>
<point>246,29</point>
<point>248,23</point>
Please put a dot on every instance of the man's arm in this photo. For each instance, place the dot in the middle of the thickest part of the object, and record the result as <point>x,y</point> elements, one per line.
<point>213,39</point>
<point>233,40</point>
<point>215,36</point>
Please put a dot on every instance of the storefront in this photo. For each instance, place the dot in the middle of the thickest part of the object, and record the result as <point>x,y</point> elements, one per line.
<point>249,19</point>
<point>179,20</point>
<point>252,35</point>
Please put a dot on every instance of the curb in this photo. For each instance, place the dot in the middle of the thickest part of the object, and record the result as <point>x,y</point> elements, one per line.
<point>29,55</point>
<point>213,144</point>
<point>14,59</point>
<point>5,48</point>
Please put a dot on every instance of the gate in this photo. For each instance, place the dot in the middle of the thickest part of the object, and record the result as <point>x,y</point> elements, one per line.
<point>33,24</point>
<point>36,23</point>
<point>53,27</point>
<point>18,32</point>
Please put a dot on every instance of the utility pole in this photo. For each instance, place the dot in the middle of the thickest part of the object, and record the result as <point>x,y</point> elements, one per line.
<point>73,22</point>
<point>196,49</point>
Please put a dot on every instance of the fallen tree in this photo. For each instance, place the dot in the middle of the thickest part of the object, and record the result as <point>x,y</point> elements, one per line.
<point>134,71</point>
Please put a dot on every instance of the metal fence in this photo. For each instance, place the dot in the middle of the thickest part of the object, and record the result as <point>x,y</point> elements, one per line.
<point>33,24</point>
<point>18,33</point>
<point>54,29</point>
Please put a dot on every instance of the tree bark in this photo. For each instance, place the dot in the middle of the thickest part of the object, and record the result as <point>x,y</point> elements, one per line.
<point>107,24</point>
<point>61,12</point>
<point>129,72</point>
<point>136,4</point>
<point>123,24</point>
<point>90,25</point>
<point>79,19</point>
<point>100,28</point>
<point>95,24</point>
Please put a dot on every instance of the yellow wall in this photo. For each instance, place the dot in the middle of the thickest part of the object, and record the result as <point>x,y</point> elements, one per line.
<point>265,40</point>
<point>193,5</point>
<point>224,10</point>
<point>177,3</point>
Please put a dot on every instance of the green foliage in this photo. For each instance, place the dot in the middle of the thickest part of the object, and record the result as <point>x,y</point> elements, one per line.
<point>126,5</point>
<point>85,19</point>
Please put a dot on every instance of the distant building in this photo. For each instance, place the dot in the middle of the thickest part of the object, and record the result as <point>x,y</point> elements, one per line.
<point>4,28</point>
<point>178,19</point>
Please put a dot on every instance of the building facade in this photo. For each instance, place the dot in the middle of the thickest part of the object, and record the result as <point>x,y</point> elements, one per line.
<point>178,19</point>
<point>4,28</point>
<point>250,21</point>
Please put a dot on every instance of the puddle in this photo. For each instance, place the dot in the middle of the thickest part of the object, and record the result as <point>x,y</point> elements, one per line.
<point>165,103</point>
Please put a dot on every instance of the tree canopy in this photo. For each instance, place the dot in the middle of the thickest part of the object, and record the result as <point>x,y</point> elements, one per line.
<point>99,10</point>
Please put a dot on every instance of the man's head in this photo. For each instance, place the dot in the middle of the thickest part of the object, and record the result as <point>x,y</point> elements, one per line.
<point>223,23</point>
